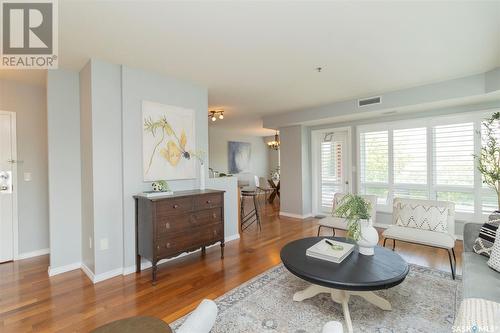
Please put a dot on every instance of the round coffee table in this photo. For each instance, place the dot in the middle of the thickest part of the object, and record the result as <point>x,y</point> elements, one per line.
<point>357,275</point>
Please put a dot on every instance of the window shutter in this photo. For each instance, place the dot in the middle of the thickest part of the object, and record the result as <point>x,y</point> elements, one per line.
<point>331,171</point>
<point>454,154</point>
<point>410,156</point>
<point>374,157</point>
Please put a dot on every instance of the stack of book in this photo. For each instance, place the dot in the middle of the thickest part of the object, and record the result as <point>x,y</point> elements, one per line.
<point>330,250</point>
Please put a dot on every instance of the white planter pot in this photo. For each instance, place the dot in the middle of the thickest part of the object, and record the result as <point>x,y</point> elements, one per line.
<point>368,238</point>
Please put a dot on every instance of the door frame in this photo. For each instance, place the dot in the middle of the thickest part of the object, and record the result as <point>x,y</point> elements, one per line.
<point>15,221</point>
<point>315,135</point>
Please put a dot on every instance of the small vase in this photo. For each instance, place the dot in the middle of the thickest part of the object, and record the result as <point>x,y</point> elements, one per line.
<point>368,238</point>
<point>202,177</point>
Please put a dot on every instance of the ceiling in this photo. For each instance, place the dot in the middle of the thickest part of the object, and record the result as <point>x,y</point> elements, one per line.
<point>258,58</point>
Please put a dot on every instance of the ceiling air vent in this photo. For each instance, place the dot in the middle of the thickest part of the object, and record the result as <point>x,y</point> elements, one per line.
<point>369,101</point>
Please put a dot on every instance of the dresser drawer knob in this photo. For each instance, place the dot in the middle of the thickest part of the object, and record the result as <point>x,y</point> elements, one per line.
<point>214,216</point>
<point>157,247</point>
<point>209,201</point>
<point>167,225</point>
<point>168,245</point>
<point>215,232</point>
<point>176,206</point>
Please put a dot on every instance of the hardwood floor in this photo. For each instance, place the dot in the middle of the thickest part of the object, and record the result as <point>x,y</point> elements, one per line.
<point>30,301</point>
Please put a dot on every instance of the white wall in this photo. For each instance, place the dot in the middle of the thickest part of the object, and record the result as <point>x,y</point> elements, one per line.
<point>29,104</point>
<point>218,147</point>
<point>63,119</point>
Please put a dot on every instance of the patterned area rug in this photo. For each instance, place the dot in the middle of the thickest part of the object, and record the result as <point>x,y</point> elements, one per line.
<point>425,302</point>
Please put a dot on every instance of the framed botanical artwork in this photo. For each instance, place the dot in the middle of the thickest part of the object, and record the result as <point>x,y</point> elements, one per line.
<point>168,142</point>
<point>239,156</point>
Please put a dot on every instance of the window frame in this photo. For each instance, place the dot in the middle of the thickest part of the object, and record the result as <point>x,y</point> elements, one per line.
<point>477,189</point>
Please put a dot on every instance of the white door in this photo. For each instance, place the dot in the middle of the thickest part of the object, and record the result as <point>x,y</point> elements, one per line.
<point>331,172</point>
<point>7,174</point>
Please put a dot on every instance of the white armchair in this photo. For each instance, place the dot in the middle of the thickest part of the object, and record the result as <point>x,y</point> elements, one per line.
<point>424,222</point>
<point>335,222</point>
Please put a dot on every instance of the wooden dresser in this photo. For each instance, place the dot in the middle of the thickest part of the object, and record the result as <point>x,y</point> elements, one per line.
<point>182,222</point>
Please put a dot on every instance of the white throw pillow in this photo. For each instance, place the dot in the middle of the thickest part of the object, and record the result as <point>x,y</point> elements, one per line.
<point>494,261</point>
<point>421,216</point>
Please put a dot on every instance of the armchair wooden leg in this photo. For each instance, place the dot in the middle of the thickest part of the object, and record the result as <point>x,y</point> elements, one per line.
<point>333,232</point>
<point>385,240</point>
<point>451,263</point>
<point>393,244</point>
<point>319,229</point>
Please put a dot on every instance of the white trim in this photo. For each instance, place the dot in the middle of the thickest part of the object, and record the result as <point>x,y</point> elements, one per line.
<point>107,275</point>
<point>64,269</point>
<point>87,271</point>
<point>32,254</point>
<point>315,166</point>
<point>145,264</point>
<point>15,217</point>
<point>296,216</point>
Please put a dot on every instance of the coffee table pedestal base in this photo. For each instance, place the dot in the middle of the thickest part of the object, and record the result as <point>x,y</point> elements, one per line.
<point>342,297</point>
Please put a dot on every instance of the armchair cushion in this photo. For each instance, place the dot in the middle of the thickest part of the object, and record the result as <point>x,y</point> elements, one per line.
<point>334,222</point>
<point>425,237</point>
<point>421,216</point>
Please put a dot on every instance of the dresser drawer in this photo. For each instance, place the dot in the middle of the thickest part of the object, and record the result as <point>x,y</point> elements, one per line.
<point>188,239</point>
<point>208,201</point>
<point>171,224</point>
<point>174,206</point>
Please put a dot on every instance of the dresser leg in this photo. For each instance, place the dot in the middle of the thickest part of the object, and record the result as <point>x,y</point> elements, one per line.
<point>203,250</point>
<point>153,273</point>
<point>222,250</point>
<point>137,263</point>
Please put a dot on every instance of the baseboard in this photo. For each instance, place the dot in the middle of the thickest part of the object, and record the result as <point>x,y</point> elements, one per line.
<point>145,264</point>
<point>87,272</point>
<point>32,254</point>
<point>107,275</point>
<point>296,216</point>
<point>64,269</point>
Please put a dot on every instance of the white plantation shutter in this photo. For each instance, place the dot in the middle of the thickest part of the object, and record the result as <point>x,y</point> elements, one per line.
<point>331,171</point>
<point>454,154</point>
<point>410,156</point>
<point>374,157</point>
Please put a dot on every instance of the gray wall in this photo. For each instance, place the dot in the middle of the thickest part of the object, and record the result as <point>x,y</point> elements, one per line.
<point>292,198</point>
<point>139,85</point>
<point>107,165</point>
<point>29,104</point>
<point>218,148</point>
<point>63,119</point>
<point>87,206</point>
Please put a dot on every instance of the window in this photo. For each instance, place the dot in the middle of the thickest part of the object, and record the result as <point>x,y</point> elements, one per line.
<point>375,164</point>
<point>426,159</point>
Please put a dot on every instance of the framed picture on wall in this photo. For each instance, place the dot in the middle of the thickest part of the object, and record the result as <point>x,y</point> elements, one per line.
<point>168,142</point>
<point>239,156</point>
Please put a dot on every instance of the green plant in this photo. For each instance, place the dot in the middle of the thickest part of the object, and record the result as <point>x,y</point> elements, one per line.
<point>489,158</point>
<point>353,208</point>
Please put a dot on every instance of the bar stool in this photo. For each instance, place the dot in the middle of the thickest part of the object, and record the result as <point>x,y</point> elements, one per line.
<point>253,215</point>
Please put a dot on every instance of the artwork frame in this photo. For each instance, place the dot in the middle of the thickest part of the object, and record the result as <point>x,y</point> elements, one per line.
<point>239,155</point>
<point>168,142</point>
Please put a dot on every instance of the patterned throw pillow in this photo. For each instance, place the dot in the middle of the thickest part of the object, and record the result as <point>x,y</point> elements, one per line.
<point>421,217</point>
<point>494,261</point>
<point>484,242</point>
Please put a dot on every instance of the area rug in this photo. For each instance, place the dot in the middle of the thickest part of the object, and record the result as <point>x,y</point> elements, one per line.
<point>426,301</point>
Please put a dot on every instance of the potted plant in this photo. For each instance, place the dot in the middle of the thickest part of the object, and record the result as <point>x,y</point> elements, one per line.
<point>489,157</point>
<point>356,211</point>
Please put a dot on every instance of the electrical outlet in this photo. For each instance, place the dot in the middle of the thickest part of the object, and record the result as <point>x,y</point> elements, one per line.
<point>104,244</point>
<point>90,242</point>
